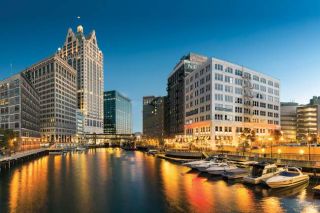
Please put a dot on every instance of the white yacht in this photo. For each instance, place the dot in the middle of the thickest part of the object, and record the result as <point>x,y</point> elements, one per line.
<point>235,173</point>
<point>204,166</point>
<point>192,164</point>
<point>261,171</point>
<point>219,168</point>
<point>290,177</point>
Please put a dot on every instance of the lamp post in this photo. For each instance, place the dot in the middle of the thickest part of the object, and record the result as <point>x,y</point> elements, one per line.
<point>270,139</point>
<point>309,140</point>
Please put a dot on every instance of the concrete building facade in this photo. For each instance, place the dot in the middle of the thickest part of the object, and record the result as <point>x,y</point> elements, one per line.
<point>175,89</point>
<point>20,109</point>
<point>223,99</point>
<point>55,82</point>
<point>308,122</point>
<point>154,116</point>
<point>288,121</point>
<point>83,54</point>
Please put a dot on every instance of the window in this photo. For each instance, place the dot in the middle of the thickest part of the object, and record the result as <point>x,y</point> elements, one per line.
<point>263,105</point>
<point>256,86</point>
<point>218,77</point>
<point>263,80</point>
<point>218,87</point>
<point>228,79</point>
<point>238,81</point>
<point>228,89</point>
<point>239,100</point>
<point>229,70</point>
<point>208,77</point>
<point>218,67</point>
<point>238,118</point>
<point>218,117</point>
<point>270,83</point>
<point>228,98</point>
<point>238,109</point>
<point>238,90</point>
<point>255,78</point>
<point>208,87</point>
<point>218,97</point>
<point>238,72</point>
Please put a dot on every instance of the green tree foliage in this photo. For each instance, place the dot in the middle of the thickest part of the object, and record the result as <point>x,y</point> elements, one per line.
<point>7,135</point>
<point>247,137</point>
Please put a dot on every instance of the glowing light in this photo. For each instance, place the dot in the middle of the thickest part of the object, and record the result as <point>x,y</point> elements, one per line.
<point>301,151</point>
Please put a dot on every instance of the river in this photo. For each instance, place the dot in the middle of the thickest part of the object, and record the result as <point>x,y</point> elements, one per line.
<point>113,180</point>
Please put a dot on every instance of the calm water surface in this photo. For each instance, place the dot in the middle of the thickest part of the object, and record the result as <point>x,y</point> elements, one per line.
<point>112,180</point>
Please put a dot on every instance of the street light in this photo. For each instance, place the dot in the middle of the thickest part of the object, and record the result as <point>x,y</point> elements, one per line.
<point>309,140</point>
<point>270,139</point>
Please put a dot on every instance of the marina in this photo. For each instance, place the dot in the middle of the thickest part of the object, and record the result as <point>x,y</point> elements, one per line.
<point>96,180</point>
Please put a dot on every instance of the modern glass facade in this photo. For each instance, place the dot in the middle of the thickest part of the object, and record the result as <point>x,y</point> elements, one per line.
<point>117,113</point>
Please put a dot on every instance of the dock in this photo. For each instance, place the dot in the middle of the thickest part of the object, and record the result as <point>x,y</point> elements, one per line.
<point>8,162</point>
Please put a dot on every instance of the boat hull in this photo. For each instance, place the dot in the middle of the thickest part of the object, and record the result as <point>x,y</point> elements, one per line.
<point>289,182</point>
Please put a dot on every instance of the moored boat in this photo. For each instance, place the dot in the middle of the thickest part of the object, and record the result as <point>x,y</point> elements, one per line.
<point>292,176</point>
<point>219,168</point>
<point>262,171</point>
<point>192,164</point>
<point>235,173</point>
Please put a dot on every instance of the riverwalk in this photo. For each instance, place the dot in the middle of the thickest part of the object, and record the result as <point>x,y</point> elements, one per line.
<point>8,161</point>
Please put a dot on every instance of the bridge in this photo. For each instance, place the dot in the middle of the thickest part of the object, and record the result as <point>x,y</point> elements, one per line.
<point>109,139</point>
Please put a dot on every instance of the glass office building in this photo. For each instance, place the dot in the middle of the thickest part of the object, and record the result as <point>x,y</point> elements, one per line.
<point>117,113</point>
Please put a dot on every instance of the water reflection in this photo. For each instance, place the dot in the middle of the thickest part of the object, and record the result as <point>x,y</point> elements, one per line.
<point>112,180</point>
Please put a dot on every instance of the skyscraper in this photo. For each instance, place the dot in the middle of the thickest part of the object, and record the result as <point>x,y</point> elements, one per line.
<point>117,113</point>
<point>175,88</point>
<point>55,82</point>
<point>83,54</point>
<point>154,116</point>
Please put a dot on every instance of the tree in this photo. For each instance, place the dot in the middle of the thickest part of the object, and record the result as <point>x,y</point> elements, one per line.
<point>276,135</point>
<point>247,137</point>
<point>7,135</point>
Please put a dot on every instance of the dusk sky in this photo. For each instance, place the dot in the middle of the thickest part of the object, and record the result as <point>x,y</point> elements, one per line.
<point>142,40</point>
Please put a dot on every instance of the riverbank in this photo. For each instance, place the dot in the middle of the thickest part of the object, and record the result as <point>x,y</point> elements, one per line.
<point>313,172</point>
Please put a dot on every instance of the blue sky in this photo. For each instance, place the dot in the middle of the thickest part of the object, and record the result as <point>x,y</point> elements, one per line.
<point>142,40</point>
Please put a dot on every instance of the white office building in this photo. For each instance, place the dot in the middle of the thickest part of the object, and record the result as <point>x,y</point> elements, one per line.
<point>83,54</point>
<point>223,99</point>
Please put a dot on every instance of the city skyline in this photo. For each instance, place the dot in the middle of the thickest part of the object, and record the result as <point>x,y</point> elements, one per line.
<point>272,40</point>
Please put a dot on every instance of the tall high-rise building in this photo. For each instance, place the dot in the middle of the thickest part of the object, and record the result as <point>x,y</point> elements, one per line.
<point>288,120</point>
<point>83,54</point>
<point>55,82</point>
<point>154,116</point>
<point>224,99</point>
<point>117,113</point>
<point>20,108</point>
<point>175,88</point>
